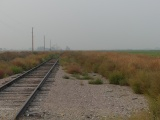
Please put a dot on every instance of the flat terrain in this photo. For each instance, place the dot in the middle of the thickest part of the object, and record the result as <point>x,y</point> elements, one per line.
<point>153,53</point>
<point>71,99</point>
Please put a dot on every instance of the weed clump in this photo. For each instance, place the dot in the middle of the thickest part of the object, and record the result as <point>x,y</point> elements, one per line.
<point>118,78</point>
<point>96,81</point>
<point>1,74</point>
<point>140,83</point>
<point>77,76</point>
<point>74,69</point>
<point>155,108</point>
<point>16,69</point>
<point>85,76</point>
<point>15,62</point>
<point>82,76</point>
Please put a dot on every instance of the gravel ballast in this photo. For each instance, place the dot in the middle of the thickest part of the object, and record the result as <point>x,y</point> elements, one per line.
<point>77,100</point>
<point>72,99</point>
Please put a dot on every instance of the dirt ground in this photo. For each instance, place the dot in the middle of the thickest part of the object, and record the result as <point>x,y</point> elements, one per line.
<point>72,99</point>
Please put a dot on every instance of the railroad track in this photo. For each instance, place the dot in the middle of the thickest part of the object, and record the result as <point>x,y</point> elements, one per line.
<point>16,96</point>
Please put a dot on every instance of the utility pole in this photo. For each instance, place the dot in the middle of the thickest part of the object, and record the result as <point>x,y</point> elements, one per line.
<point>50,45</point>
<point>44,43</point>
<point>32,41</point>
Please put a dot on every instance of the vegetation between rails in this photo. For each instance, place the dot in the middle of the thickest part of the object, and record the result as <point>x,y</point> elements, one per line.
<point>17,62</point>
<point>141,72</point>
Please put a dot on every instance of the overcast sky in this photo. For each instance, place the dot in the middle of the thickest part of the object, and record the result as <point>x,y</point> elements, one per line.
<point>80,24</point>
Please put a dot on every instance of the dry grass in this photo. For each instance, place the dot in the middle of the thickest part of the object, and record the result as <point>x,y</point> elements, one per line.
<point>16,62</point>
<point>73,69</point>
<point>141,72</point>
<point>96,81</point>
<point>1,74</point>
<point>141,116</point>
<point>134,70</point>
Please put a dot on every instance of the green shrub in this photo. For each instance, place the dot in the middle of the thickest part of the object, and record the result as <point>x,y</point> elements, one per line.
<point>154,86</point>
<point>140,83</point>
<point>16,69</point>
<point>97,81</point>
<point>77,76</point>
<point>118,78</point>
<point>137,88</point>
<point>1,74</point>
<point>155,107</point>
<point>85,76</point>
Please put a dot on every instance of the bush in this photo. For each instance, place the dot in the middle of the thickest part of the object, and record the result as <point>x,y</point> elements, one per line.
<point>140,83</point>
<point>155,107</point>
<point>116,77</point>
<point>1,74</point>
<point>19,62</point>
<point>137,88</point>
<point>77,76</point>
<point>85,76</point>
<point>8,56</point>
<point>154,86</point>
<point>16,69</point>
<point>74,69</point>
<point>97,81</point>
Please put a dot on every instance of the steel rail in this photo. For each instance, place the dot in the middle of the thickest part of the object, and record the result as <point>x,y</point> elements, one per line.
<point>19,77</point>
<point>34,93</point>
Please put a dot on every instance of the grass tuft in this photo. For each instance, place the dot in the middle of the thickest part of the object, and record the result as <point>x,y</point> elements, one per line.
<point>74,69</point>
<point>155,108</point>
<point>96,81</point>
<point>16,69</point>
<point>86,76</point>
<point>140,83</point>
<point>83,76</point>
<point>116,77</point>
<point>1,74</point>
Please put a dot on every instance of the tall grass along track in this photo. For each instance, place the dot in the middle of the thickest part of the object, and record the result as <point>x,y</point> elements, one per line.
<point>17,95</point>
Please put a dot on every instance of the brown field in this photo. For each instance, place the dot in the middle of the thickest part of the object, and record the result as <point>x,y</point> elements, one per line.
<point>17,62</point>
<point>140,72</point>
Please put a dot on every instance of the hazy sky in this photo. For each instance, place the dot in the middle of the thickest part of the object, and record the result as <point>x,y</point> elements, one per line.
<point>80,24</point>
